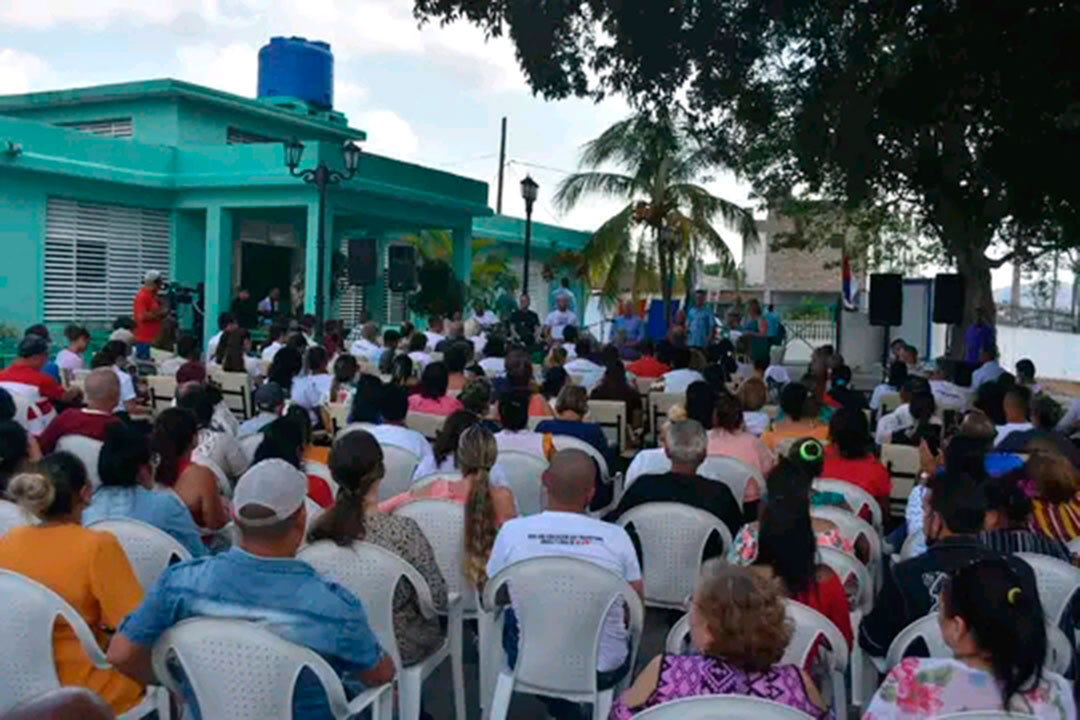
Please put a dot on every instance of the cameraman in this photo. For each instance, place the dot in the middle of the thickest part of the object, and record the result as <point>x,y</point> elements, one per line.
<point>148,312</point>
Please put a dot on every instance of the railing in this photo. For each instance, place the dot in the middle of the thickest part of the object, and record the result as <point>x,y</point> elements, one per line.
<point>1037,318</point>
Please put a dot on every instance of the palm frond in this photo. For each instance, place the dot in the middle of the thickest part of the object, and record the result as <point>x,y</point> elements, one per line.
<point>646,277</point>
<point>609,241</point>
<point>573,187</point>
<point>703,204</point>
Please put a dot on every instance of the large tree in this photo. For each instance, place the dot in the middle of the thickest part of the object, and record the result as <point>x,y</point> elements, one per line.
<point>967,112</point>
<point>662,164</point>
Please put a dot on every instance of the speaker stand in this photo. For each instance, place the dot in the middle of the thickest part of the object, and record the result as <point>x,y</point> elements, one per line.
<point>885,355</point>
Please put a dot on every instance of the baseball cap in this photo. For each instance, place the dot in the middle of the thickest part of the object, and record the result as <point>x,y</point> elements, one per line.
<point>152,276</point>
<point>32,345</point>
<point>125,336</point>
<point>270,485</point>
<point>269,396</point>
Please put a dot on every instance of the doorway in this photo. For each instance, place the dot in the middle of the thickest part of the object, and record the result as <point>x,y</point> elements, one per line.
<point>263,267</point>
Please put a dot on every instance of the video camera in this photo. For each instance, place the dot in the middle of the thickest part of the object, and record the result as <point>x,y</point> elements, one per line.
<point>182,294</point>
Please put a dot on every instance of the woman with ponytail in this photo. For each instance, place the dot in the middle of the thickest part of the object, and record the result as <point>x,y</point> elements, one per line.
<point>356,464</point>
<point>86,567</point>
<point>997,634</point>
<point>487,507</point>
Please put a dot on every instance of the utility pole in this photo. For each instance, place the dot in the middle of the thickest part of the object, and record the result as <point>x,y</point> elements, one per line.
<point>502,167</point>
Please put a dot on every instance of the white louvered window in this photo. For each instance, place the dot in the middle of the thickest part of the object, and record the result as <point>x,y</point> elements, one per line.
<point>114,127</point>
<point>96,256</point>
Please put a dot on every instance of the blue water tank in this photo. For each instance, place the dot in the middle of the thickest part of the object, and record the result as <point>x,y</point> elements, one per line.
<point>298,68</point>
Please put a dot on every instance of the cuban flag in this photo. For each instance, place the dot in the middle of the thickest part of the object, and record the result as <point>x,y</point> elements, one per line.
<point>851,292</point>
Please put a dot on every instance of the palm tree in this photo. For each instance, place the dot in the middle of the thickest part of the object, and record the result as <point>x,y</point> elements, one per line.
<point>668,217</point>
<point>490,270</point>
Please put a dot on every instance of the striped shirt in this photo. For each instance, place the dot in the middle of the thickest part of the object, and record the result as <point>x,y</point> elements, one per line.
<point>1060,521</point>
<point>1016,540</point>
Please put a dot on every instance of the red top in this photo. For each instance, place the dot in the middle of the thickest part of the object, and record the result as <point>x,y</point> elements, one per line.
<point>647,366</point>
<point>146,329</point>
<point>319,491</point>
<point>75,421</point>
<point>827,596</point>
<point>866,472</point>
<point>26,375</point>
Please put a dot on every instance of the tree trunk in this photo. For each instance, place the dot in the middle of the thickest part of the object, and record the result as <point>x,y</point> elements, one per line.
<point>665,284</point>
<point>972,265</point>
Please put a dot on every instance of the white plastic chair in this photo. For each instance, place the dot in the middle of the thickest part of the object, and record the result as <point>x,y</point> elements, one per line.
<point>567,442</point>
<point>732,472</point>
<point>854,496</point>
<point>888,403</point>
<point>400,463</point>
<point>524,473</point>
<point>1058,582</point>
<point>986,715</point>
<point>312,511</point>
<point>86,449</point>
<point>12,516</point>
<point>561,605</point>
<point>1074,546</point>
<point>372,573</point>
<point>339,415</point>
<point>27,665</point>
<point>673,537</point>
<point>449,476</point>
<point>162,391</point>
<point>808,625</point>
<point>148,549</point>
<point>241,671</point>
<point>903,464</point>
<point>236,389</point>
<point>722,707</point>
<point>852,528</point>
<point>849,568</point>
<point>426,424</point>
<point>611,416</point>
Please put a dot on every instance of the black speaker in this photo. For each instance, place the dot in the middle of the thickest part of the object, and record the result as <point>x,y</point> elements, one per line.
<point>363,269</point>
<point>949,299</point>
<point>402,268</point>
<point>886,299</point>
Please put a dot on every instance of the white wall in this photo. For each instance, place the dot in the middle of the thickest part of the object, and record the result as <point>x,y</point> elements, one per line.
<point>1055,354</point>
<point>754,262</point>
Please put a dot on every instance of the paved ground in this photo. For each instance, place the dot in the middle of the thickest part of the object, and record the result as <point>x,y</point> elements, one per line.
<point>438,691</point>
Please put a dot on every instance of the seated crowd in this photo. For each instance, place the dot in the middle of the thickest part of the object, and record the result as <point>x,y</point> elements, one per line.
<point>242,496</point>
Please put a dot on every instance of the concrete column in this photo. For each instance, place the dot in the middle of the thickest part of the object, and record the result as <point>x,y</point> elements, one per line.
<point>462,260</point>
<point>219,244</point>
<point>311,258</point>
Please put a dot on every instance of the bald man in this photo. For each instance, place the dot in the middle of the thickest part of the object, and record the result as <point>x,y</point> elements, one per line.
<point>564,530</point>
<point>69,703</point>
<point>102,390</point>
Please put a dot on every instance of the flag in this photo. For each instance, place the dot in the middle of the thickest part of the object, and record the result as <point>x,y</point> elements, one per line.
<point>851,292</point>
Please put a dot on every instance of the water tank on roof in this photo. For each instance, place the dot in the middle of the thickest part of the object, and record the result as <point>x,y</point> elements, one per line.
<point>297,68</point>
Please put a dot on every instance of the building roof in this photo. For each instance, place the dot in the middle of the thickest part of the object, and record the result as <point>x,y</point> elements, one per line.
<point>512,230</point>
<point>168,87</point>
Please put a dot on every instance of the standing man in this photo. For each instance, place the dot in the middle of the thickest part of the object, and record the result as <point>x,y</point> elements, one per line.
<point>270,305</point>
<point>245,310</point>
<point>559,319</point>
<point>524,322</point>
<point>148,311</point>
<point>978,337</point>
<point>700,321</point>
<point>563,291</point>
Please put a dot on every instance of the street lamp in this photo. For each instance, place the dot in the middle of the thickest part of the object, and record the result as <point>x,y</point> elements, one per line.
<point>528,194</point>
<point>322,177</point>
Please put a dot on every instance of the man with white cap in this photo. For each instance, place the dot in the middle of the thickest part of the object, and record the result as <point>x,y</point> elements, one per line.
<point>262,582</point>
<point>148,311</point>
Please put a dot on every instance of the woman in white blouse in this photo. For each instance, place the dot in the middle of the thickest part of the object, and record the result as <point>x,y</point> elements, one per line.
<point>309,390</point>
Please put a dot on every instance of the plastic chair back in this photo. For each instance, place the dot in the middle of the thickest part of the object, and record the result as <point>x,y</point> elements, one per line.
<point>673,538</point>
<point>809,625</point>
<point>854,496</point>
<point>443,524</point>
<point>888,403</point>
<point>312,510</point>
<point>562,605</point>
<point>339,415</point>
<point>27,665</point>
<point>567,442</point>
<point>249,444</point>
<point>678,638</point>
<point>1057,581</point>
<point>732,472</point>
<point>611,416</point>
<point>524,473</point>
<point>148,549</point>
<point>986,715</point>
<point>12,516</point>
<point>86,449</point>
<point>659,404</point>
<point>721,707</point>
<point>435,476</point>
<point>1074,546</point>
<point>240,671</point>
<point>371,573</point>
<point>162,391</point>
<point>400,463</point>
<point>852,528</point>
<point>426,424</point>
<point>854,576</point>
<point>236,390</point>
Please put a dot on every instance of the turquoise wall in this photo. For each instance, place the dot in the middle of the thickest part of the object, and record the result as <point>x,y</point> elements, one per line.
<point>206,124</point>
<point>154,120</point>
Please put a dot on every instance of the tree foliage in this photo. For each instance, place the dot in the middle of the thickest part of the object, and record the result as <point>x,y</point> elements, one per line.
<point>661,164</point>
<point>966,112</point>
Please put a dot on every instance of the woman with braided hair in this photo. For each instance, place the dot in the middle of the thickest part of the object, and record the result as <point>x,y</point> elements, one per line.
<point>356,464</point>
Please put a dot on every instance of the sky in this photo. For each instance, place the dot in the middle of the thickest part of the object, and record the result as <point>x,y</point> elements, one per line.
<point>433,96</point>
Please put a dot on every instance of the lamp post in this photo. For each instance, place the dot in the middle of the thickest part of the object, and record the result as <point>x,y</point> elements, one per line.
<point>322,177</point>
<point>528,194</point>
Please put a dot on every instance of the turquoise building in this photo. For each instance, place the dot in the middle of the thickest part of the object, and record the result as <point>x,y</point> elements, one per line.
<point>100,184</point>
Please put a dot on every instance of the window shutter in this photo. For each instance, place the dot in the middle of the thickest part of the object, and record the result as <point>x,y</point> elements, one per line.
<point>114,128</point>
<point>96,256</point>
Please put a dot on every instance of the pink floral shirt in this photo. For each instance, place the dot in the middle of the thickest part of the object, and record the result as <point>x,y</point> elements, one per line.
<point>744,547</point>
<point>446,405</point>
<point>931,687</point>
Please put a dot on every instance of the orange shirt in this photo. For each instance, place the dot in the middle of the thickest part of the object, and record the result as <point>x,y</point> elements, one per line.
<point>146,301</point>
<point>782,431</point>
<point>90,571</point>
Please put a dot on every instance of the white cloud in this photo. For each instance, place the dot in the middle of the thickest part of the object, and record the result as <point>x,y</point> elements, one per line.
<point>41,14</point>
<point>387,134</point>
<point>232,68</point>
<point>21,72</point>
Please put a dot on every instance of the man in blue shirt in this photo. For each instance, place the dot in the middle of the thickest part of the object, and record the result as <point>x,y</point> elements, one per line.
<point>261,581</point>
<point>628,329</point>
<point>700,321</point>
